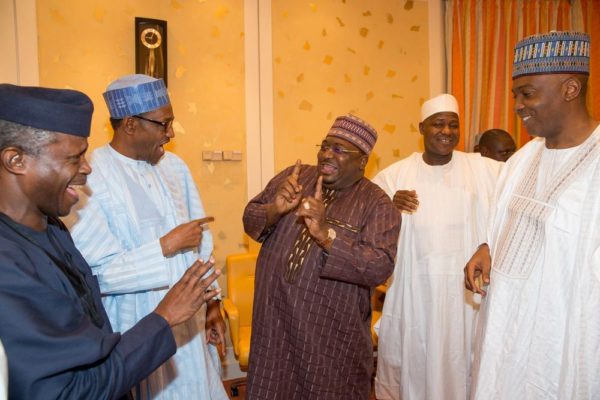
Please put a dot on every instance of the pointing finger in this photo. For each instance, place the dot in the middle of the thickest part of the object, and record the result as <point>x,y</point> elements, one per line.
<point>204,221</point>
<point>296,171</point>
<point>319,188</point>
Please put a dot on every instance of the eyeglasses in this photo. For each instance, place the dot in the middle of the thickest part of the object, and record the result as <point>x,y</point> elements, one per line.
<point>166,124</point>
<point>336,148</point>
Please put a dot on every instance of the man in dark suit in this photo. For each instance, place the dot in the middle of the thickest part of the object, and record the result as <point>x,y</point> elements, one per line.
<point>56,334</point>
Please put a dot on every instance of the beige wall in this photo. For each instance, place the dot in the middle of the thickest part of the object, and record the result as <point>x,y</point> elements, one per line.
<point>86,44</point>
<point>329,58</point>
<point>368,58</point>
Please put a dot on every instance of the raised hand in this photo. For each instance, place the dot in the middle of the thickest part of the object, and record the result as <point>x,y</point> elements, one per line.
<point>287,196</point>
<point>184,236</point>
<point>406,200</point>
<point>189,294</point>
<point>312,210</point>
<point>477,271</point>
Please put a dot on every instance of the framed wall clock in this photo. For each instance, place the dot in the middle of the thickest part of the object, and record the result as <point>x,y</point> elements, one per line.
<point>151,47</point>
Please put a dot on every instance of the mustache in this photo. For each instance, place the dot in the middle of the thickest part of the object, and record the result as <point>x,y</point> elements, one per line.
<point>78,181</point>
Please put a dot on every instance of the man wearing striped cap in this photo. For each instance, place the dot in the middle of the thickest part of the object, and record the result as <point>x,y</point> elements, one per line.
<point>328,237</point>
<point>539,333</point>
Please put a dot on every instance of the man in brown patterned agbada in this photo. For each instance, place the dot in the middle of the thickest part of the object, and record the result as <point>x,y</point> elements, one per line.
<point>328,237</point>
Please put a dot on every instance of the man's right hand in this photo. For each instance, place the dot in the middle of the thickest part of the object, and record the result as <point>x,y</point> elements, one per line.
<point>478,266</point>
<point>406,200</point>
<point>287,198</point>
<point>184,236</point>
<point>189,294</point>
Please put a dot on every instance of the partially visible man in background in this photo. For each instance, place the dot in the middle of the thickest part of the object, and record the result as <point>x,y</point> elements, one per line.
<point>496,144</point>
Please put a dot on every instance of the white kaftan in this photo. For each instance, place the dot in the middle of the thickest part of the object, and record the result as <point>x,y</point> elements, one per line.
<point>3,374</point>
<point>539,328</point>
<point>124,210</point>
<point>425,335</point>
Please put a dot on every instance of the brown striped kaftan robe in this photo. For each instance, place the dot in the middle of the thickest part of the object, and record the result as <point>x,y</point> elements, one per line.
<point>311,337</point>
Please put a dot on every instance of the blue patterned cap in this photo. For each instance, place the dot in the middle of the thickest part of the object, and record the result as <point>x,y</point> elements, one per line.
<point>552,53</point>
<point>135,94</point>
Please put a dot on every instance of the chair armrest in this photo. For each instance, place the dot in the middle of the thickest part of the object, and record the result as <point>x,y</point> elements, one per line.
<point>233,315</point>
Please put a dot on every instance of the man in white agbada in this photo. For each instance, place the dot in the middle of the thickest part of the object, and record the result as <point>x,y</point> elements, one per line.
<point>539,333</point>
<point>3,374</point>
<point>424,349</point>
<point>140,224</point>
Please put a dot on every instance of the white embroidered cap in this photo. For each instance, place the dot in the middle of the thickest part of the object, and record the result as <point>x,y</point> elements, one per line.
<point>442,103</point>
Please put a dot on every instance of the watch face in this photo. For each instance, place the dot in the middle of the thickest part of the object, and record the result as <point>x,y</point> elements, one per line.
<point>331,234</point>
<point>151,38</point>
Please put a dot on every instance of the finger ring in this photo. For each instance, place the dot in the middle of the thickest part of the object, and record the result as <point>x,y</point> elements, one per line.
<point>306,205</point>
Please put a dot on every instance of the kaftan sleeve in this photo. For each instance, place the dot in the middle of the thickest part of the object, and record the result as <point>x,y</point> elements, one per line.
<point>368,258</point>
<point>53,349</point>
<point>118,269</point>
<point>255,213</point>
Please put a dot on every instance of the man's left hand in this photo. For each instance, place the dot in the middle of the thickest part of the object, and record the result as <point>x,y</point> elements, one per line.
<point>215,327</point>
<point>312,210</point>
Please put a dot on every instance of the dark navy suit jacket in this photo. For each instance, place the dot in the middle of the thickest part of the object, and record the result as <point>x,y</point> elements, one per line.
<point>54,350</point>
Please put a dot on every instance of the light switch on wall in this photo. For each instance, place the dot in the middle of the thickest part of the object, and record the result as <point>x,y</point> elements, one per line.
<point>222,155</point>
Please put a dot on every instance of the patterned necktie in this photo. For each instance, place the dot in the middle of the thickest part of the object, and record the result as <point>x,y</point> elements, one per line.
<point>303,243</point>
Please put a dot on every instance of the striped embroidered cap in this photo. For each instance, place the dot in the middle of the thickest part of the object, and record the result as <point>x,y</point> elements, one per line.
<point>354,130</point>
<point>135,94</point>
<point>552,53</point>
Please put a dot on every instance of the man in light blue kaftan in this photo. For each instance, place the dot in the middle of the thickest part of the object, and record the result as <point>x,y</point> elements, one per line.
<point>140,224</point>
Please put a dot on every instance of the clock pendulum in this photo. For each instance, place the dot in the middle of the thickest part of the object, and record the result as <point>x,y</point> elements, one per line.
<point>151,38</point>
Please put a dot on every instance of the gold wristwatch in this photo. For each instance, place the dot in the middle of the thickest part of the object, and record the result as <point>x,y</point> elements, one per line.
<point>331,235</point>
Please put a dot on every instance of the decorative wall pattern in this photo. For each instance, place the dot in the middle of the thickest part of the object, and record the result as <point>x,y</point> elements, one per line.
<point>330,58</point>
<point>86,44</point>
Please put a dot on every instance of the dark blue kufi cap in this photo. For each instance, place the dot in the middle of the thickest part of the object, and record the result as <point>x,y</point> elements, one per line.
<point>57,110</point>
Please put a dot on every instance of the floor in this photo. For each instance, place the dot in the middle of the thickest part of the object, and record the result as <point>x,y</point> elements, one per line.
<point>235,388</point>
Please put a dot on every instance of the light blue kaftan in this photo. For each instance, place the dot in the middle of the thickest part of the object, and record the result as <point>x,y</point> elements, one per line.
<point>126,207</point>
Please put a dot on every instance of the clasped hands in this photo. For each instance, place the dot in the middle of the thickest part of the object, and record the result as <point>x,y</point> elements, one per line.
<point>311,208</point>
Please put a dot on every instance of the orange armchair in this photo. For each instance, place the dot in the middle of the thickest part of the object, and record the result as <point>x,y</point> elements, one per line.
<point>237,305</point>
